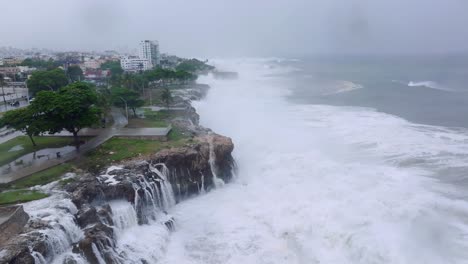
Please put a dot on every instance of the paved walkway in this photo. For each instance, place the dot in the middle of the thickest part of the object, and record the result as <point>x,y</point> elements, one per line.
<point>158,108</point>
<point>117,129</point>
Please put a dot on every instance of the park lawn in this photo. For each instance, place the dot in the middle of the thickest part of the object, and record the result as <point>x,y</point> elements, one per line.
<point>166,115</point>
<point>20,196</point>
<point>43,177</point>
<point>25,142</point>
<point>145,122</point>
<point>118,149</point>
<point>152,118</point>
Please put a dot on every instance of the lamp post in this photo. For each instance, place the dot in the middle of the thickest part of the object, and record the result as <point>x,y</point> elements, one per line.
<point>126,108</point>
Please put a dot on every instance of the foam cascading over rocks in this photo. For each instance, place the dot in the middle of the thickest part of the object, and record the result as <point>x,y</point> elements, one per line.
<point>83,223</point>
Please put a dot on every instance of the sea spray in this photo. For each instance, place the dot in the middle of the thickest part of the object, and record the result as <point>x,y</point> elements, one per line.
<point>57,212</point>
<point>212,160</point>
<point>315,184</point>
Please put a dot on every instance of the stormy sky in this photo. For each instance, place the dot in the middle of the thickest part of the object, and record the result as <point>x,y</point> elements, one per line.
<point>239,27</point>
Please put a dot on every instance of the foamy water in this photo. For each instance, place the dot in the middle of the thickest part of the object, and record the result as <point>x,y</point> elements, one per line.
<point>316,184</point>
<point>322,184</point>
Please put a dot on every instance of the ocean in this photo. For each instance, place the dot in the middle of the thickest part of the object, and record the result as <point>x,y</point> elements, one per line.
<point>340,161</point>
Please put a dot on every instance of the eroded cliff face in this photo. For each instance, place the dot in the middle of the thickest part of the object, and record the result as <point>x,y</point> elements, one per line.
<point>151,187</point>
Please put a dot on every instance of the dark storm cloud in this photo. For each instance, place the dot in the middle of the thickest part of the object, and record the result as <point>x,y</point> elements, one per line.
<point>240,27</point>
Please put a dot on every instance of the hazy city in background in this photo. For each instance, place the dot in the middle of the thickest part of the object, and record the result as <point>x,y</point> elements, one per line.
<point>240,28</point>
<point>216,131</point>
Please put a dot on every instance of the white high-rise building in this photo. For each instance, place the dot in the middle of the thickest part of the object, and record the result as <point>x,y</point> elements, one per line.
<point>150,50</point>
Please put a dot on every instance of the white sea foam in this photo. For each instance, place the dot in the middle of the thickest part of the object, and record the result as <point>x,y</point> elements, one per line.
<point>110,179</point>
<point>429,84</point>
<point>322,184</point>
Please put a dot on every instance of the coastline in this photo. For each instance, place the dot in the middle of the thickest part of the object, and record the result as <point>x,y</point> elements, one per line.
<point>86,210</point>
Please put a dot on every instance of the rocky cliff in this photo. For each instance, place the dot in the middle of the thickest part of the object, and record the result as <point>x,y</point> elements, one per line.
<point>81,220</point>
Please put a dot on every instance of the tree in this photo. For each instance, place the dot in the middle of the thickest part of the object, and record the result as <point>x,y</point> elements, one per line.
<point>113,66</point>
<point>75,74</point>
<point>122,96</point>
<point>24,120</point>
<point>166,97</point>
<point>194,66</point>
<point>41,64</point>
<point>72,108</point>
<point>47,80</point>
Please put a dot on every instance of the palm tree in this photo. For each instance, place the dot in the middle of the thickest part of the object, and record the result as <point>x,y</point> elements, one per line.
<point>166,97</point>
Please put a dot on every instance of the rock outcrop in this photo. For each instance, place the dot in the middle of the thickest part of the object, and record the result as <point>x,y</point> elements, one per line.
<point>13,219</point>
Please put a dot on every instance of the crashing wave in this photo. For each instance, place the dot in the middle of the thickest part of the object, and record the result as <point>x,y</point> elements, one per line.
<point>429,84</point>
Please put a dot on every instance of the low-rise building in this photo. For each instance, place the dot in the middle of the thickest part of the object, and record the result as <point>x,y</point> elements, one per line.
<point>92,64</point>
<point>9,70</point>
<point>135,64</point>
<point>12,60</point>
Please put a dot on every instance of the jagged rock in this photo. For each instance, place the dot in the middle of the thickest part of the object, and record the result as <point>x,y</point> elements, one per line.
<point>18,250</point>
<point>100,236</point>
<point>20,256</point>
<point>105,214</point>
<point>87,216</point>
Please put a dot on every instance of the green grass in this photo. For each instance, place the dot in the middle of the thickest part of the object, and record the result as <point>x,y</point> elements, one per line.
<point>159,115</point>
<point>160,118</point>
<point>144,122</point>
<point>42,177</point>
<point>20,196</point>
<point>25,142</point>
<point>16,192</point>
<point>175,135</point>
<point>118,149</point>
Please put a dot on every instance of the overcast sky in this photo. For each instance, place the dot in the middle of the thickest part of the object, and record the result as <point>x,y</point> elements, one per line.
<point>239,27</point>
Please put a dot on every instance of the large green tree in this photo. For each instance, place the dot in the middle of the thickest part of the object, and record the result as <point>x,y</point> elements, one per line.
<point>47,80</point>
<point>24,120</point>
<point>72,108</point>
<point>122,97</point>
<point>74,73</point>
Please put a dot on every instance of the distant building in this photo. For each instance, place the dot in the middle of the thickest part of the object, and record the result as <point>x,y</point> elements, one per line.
<point>1,62</point>
<point>92,64</point>
<point>9,70</point>
<point>12,61</point>
<point>135,64</point>
<point>26,69</point>
<point>150,50</point>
